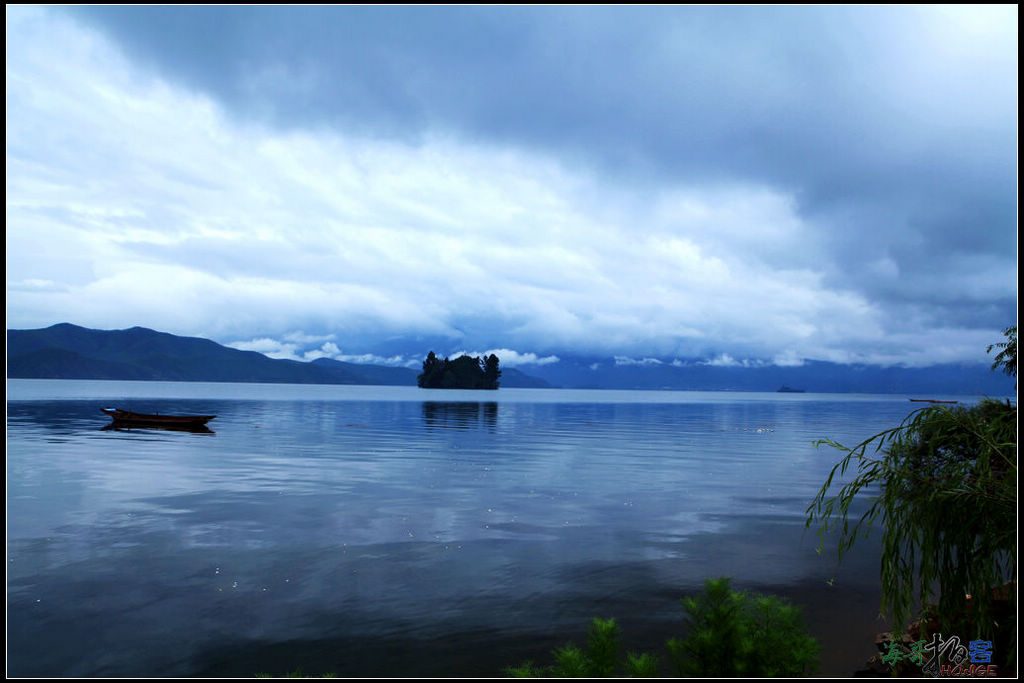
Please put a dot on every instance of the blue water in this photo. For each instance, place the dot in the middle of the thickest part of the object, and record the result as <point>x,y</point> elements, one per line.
<point>378,531</point>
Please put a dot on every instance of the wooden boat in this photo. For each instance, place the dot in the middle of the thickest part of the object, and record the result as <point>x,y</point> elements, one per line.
<point>930,400</point>
<point>128,418</point>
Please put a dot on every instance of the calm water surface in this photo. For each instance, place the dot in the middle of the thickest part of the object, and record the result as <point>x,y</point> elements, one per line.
<point>375,531</point>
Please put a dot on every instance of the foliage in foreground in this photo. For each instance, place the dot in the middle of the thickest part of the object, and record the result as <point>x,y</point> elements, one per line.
<point>1006,359</point>
<point>736,633</point>
<point>946,500</point>
<point>733,633</point>
<point>599,660</point>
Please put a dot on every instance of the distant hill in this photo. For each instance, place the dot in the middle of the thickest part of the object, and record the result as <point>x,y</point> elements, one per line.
<point>811,377</point>
<point>368,374</point>
<point>514,379</point>
<point>66,351</point>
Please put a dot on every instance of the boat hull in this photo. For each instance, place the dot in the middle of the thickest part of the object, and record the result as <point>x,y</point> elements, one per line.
<point>128,418</point>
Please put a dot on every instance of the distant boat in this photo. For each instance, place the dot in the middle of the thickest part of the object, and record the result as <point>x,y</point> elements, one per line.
<point>126,418</point>
<point>789,390</point>
<point>930,400</point>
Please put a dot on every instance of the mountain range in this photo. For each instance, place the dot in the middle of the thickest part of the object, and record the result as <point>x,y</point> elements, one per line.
<point>811,376</point>
<point>66,351</point>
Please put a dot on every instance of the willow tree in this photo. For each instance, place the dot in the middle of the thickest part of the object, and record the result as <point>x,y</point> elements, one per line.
<point>943,488</point>
<point>1006,359</point>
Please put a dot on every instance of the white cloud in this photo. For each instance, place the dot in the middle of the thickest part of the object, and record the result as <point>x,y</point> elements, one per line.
<point>726,361</point>
<point>291,348</point>
<point>508,357</point>
<point>374,359</point>
<point>625,360</point>
<point>328,350</point>
<point>134,202</point>
<point>36,285</point>
<point>512,358</point>
<point>788,359</point>
<point>300,337</point>
<point>268,347</point>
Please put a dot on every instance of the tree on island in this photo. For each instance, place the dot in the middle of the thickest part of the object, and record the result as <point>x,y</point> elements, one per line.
<point>465,372</point>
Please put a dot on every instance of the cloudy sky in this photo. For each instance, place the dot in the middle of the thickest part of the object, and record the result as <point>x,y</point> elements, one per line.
<point>757,184</point>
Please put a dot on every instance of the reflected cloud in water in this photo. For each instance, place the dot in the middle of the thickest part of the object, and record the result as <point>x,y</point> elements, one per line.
<point>312,522</point>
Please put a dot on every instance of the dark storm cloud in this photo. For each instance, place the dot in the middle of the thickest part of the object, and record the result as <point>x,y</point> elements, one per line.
<point>825,182</point>
<point>893,128</point>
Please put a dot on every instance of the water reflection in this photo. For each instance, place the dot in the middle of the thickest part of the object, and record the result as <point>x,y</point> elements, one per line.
<point>460,415</point>
<point>341,535</point>
<point>129,426</point>
<point>71,417</point>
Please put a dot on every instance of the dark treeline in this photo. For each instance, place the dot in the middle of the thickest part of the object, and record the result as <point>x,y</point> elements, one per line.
<point>465,372</point>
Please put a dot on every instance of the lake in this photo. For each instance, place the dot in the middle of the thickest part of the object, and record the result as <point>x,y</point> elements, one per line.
<point>395,531</point>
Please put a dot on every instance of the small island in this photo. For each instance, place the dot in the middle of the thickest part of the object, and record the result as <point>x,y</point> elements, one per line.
<point>465,372</point>
<point>788,390</point>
